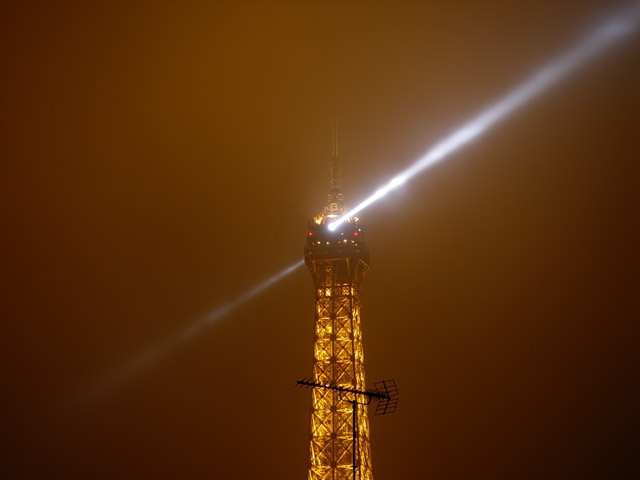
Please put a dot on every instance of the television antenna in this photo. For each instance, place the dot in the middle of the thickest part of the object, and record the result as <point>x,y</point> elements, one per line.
<point>385,393</point>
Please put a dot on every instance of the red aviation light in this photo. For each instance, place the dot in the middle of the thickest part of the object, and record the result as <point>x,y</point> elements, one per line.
<point>310,233</point>
<point>355,233</point>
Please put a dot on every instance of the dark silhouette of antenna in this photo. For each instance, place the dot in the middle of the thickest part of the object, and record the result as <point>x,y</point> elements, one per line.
<point>385,393</point>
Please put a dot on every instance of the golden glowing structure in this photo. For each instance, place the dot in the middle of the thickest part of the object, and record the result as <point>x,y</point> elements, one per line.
<point>338,261</point>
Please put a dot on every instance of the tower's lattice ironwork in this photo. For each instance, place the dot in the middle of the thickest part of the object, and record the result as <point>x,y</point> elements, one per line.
<point>338,261</point>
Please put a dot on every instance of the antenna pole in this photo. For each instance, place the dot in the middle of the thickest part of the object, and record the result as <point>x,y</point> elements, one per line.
<point>355,437</point>
<point>335,137</point>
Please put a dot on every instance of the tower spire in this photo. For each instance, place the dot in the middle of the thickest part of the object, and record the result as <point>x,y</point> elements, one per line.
<point>335,205</point>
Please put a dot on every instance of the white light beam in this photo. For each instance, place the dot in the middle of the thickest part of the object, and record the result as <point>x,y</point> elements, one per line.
<point>624,23</point>
<point>155,352</point>
<point>597,42</point>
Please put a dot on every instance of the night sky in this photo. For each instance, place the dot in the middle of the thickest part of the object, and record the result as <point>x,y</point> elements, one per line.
<point>161,158</point>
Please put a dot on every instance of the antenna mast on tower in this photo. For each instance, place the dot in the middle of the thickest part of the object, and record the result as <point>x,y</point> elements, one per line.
<point>335,205</point>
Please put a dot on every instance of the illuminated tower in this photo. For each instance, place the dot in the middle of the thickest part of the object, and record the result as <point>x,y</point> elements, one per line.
<point>338,261</point>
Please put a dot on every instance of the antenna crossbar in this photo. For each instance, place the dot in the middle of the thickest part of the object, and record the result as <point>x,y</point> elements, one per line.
<point>386,392</point>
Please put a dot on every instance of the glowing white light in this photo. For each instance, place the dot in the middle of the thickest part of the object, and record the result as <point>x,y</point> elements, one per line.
<point>161,349</point>
<point>624,23</point>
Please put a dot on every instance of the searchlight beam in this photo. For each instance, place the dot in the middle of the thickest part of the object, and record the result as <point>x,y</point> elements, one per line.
<point>596,43</point>
<point>155,352</point>
<point>624,23</point>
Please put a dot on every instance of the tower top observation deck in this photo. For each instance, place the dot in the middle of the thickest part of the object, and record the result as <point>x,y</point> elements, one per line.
<point>346,241</point>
